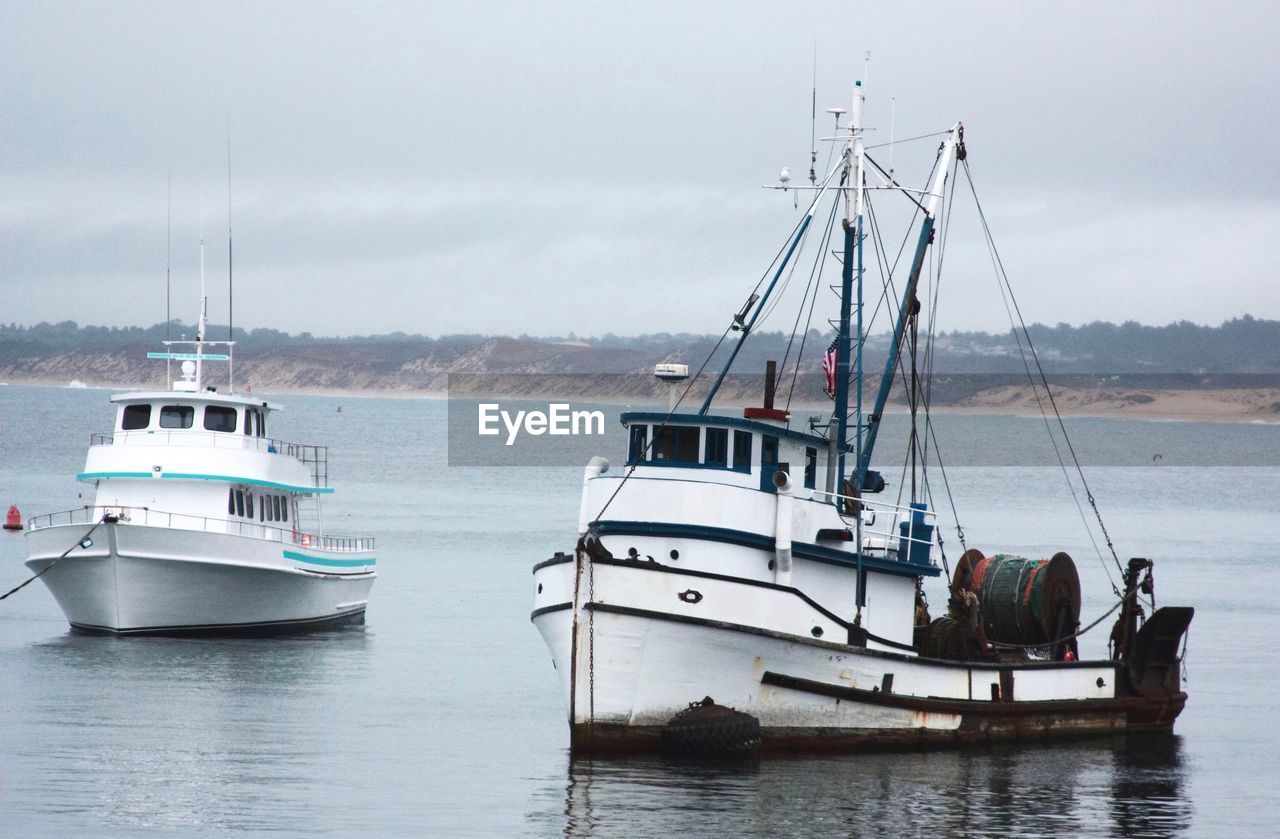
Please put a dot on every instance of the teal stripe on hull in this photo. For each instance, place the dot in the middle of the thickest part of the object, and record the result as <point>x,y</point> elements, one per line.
<point>91,476</point>
<point>197,476</point>
<point>333,563</point>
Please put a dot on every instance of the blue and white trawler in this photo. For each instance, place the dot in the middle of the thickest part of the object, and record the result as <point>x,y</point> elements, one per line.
<point>750,561</point>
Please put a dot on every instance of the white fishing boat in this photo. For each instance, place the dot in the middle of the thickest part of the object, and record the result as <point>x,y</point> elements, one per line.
<point>201,521</point>
<point>744,579</point>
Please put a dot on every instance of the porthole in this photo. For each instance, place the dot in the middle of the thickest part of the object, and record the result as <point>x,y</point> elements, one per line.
<point>675,554</point>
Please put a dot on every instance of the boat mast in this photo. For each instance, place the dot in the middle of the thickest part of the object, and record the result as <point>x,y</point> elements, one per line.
<point>850,285</point>
<point>168,268</point>
<point>952,149</point>
<point>204,306</point>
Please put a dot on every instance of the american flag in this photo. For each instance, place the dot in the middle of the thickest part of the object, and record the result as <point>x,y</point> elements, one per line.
<point>829,367</point>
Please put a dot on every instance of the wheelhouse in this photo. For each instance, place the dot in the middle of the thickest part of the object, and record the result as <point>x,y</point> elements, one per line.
<point>734,445</point>
<point>176,412</point>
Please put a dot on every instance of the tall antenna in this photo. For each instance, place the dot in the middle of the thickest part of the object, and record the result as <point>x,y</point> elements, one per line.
<point>203,298</point>
<point>231,330</point>
<point>168,258</point>
<point>893,107</point>
<point>231,286</point>
<point>813,120</point>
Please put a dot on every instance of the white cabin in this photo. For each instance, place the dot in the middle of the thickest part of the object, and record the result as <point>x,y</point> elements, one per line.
<point>204,455</point>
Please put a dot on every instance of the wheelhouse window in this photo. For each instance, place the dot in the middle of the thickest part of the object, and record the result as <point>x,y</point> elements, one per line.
<point>135,417</point>
<point>219,418</point>
<point>717,452</point>
<point>255,424</point>
<point>769,451</point>
<point>177,416</point>
<point>810,467</point>
<point>742,451</point>
<point>676,444</point>
<point>639,443</point>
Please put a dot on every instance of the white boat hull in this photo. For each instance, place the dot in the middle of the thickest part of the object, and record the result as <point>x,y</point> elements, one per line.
<point>630,661</point>
<point>136,579</point>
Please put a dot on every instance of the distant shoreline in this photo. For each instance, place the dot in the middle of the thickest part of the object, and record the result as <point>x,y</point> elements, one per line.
<point>1254,405</point>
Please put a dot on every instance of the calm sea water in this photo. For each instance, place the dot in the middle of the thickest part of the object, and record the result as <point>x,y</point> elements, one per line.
<point>442,715</point>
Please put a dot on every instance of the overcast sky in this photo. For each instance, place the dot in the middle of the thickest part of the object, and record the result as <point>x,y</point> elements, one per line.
<point>515,167</point>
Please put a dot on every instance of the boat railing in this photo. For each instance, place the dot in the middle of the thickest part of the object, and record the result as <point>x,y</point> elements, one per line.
<point>208,524</point>
<point>882,524</point>
<point>315,458</point>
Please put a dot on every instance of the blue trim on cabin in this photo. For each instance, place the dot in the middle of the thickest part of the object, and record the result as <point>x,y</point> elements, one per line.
<point>711,419</point>
<point>683,464</point>
<point>196,476</point>
<point>804,550</point>
<point>334,563</point>
<point>190,356</point>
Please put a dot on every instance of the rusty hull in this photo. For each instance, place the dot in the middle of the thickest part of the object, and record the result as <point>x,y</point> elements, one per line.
<point>991,723</point>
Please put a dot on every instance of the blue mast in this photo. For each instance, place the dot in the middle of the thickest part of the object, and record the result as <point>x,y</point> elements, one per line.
<point>951,147</point>
<point>843,346</point>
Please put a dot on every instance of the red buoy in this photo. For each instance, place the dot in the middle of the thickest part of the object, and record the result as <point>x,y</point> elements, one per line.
<point>14,520</point>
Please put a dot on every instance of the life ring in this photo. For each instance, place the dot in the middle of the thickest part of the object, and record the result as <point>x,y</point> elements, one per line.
<point>306,540</point>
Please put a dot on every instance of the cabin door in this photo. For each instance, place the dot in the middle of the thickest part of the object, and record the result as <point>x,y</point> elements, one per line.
<point>768,462</point>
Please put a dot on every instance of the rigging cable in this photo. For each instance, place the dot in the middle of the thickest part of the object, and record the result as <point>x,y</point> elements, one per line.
<point>1064,639</point>
<point>65,553</point>
<point>810,289</point>
<point>931,293</point>
<point>786,282</point>
<point>908,140</point>
<point>930,431</point>
<point>1003,280</point>
<point>1053,439</point>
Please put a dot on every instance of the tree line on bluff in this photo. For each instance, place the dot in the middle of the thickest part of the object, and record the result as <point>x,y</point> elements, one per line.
<point>1241,345</point>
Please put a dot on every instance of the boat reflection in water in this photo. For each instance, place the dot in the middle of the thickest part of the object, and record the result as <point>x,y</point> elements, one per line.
<point>1124,786</point>
<point>187,734</point>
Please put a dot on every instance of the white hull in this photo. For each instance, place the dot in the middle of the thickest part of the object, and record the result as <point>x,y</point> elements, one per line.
<point>629,662</point>
<point>147,579</point>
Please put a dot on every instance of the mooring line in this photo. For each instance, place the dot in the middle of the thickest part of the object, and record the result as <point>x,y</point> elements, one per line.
<point>65,554</point>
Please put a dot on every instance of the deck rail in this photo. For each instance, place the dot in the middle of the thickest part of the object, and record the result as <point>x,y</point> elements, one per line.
<point>890,538</point>
<point>315,458</point>
<point>208,524</point>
